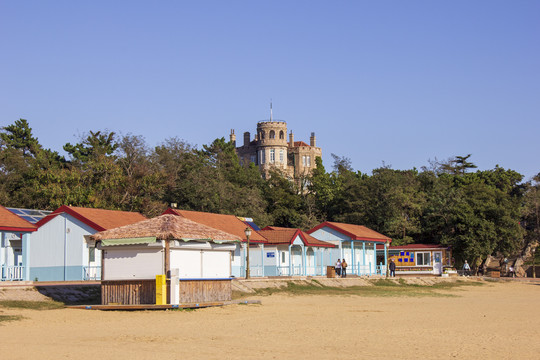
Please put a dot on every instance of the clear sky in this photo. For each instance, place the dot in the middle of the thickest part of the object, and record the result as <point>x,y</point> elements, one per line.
<point>398,82</point>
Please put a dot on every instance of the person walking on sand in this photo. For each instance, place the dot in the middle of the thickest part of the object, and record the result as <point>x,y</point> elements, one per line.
<point>466,268</point>
<point>338,268</point>
<point>392,268</point>
<point>343,268</point>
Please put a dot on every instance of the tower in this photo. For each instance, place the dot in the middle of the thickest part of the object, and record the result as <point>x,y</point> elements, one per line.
<point>269,149</point>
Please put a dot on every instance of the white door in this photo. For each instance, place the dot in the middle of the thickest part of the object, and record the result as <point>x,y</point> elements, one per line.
<point>297,260</point>
<point>17,257</point>
<point>437,262</point>
<point>310,261</point>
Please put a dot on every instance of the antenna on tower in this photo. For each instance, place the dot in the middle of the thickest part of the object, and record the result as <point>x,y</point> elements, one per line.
<point>271,116</point>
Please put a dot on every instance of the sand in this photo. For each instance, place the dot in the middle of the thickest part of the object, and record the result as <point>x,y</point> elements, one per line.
<point>499,320</point>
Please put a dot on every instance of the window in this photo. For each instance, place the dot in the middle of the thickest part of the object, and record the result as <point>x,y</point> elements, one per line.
<point>262,157</point>
<point>92,254</point>
<point>283,257</point>
<point>308,161</point>
<point>423,258</point>
<point>304,160</point>
<point>272,155</point>
<point>253,158</point>
<point>261,134</point>
<point>281,156</point>
<point>281,135</point>
<point>272,134</point>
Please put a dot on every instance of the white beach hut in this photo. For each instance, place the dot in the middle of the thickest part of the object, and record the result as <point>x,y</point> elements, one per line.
<point>133,255</point>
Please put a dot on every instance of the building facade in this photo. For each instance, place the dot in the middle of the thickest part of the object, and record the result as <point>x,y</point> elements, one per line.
<point>269,149</point>
<point>61,247</point>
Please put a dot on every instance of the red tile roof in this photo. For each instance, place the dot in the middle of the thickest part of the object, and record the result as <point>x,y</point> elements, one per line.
<point>228,223</point>
<point>300,143</point>
<point>277,235</point>
<point>98,219</point>
<point>355,232</point>
<point>11,222</point>
<point>167,227</point>
<point>269,227</point>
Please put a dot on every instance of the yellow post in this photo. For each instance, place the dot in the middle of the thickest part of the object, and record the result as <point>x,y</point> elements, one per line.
<point>161,290</point>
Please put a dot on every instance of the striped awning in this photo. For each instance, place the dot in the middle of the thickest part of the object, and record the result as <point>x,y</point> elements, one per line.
<point>128,241</point>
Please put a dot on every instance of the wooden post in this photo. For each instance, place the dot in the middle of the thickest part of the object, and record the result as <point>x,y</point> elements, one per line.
<point>247,258</point>
<point>386,258</point>
<point>102,262</point>
<point>167,259</point>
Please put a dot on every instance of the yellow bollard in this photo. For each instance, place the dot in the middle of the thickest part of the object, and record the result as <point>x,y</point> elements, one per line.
<point>161,290</point>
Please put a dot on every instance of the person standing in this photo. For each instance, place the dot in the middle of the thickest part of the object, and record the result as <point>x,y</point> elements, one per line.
<point>343,268</point>
<point>392,268</point>
<point>338,268</point>
<point>466,268</point>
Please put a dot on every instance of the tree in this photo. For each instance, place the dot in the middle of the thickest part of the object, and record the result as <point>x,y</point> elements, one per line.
<point>22,160</point>
<point>285,205</point>
<point>477,213</point>
<point>322,189</point>
<point>395,203</point>
<point>95,144</point>
<point>457,165</point>
<point>142,185</point>
<point>19,136</point>
<point>531,211</point>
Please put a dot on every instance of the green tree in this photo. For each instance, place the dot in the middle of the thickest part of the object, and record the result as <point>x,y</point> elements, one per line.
<point>285,204</point>
<point>22,160</point>
<point>19,136</point>
<point>94,145</point>
<point>457,165</point>
<point>476,213</point>
<point>531,211</point>
<point>322,189</point>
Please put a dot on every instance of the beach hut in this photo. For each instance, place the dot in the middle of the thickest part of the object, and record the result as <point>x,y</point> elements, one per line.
<point>419,259</point>
<point>133,255</point>
<point>62,249</point>
<point>236,226</point>
<point>357,245</point>
<point>292,252</point>
<point>14,246</point>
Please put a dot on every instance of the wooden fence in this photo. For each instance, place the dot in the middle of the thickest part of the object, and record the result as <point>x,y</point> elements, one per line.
<point>128,292</point>
<point>193,291</point>
<point>136,292</point>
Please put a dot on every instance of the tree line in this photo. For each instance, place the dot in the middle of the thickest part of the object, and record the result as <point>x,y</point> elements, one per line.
<point>479,213</point>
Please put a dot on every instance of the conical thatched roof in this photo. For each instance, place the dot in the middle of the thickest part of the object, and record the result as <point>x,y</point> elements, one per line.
<point>166,227</point>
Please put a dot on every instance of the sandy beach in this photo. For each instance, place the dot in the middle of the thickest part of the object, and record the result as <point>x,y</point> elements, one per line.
<point>497,320</point>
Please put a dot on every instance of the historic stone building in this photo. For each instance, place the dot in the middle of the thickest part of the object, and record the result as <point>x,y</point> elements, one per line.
<point>270,149</point>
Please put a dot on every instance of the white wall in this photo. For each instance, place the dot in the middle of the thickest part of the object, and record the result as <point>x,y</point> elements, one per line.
<point>123,262</point>
<point>216,264</point>
<point>195,260</point>
<point>202,260</point>
<point>62,235</point>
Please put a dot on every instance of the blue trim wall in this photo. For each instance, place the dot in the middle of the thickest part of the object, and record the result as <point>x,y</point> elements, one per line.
<point>56,273</point>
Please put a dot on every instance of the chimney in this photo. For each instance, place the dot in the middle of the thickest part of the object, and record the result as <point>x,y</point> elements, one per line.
<point>291,139</point>
<point>232,137</point>
<point>312,139</point>
<point>246,138</point>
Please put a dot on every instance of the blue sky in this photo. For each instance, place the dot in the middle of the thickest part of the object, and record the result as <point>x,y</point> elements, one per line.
<point>398,82</point>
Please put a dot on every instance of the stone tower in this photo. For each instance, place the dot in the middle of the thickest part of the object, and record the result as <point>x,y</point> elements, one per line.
<point>270,149</point>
